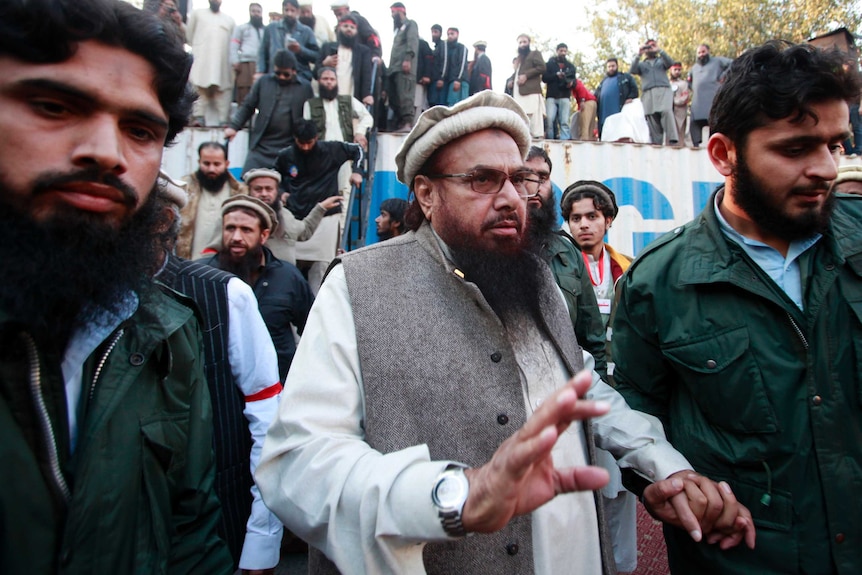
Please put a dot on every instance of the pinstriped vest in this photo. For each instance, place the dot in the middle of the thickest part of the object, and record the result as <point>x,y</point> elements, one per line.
<point>207,287</point>
<point>438,369</point>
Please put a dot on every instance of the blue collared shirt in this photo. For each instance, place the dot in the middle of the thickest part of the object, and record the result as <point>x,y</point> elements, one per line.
<point>784,270</point>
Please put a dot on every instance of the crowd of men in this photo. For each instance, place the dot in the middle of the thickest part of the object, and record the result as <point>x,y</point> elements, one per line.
<point>450,405</point>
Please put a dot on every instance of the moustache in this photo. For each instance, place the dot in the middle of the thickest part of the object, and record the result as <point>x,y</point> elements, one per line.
<point>93,175</point>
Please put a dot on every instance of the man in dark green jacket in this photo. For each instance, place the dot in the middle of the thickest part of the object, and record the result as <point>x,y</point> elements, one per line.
<point>742,330</point>
<point>104,411</point>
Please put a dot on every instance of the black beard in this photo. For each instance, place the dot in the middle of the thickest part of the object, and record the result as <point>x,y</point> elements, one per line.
<point>328,93</point>
<point>245,267</point>
<point>542,220</point>
<point>256,21</point>
<point>215,7</point>
<point>748,194</point>
<point>62,274</point>
<point>523,50</point>
<point>509,281</point>
<point>290,21</point>
<point>212,184</point>
<point>703,60</point>
<point>344,40</point>
<point>612,74</point>
<point>398,21</point>
<point>308,21</point>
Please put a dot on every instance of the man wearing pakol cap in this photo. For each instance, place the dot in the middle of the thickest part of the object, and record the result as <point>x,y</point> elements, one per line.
<point>849,180</point>
<point>263,184</point>
<point>428,399</point>
<point>283,295</point>
<point>403,65</point>
<point>279,97</point>
<point>291,35</point>
<point>480,68</point>
<point>241,369</point>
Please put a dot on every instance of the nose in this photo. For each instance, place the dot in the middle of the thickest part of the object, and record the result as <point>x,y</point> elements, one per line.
<point>823,165</point>
<point>101,144</point>
<point>508,197</point>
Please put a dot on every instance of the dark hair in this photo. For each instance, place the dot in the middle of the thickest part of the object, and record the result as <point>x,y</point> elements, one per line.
<point>48,31</point>
<point>437,27</point>
<point>304,130</point>
<point>562,45</point>
<point>537,152</point>
<point>453,28</point>
<point>213,146</point>
<point>603,197</point>
<point>284,59</point>
<point>293,3</point>
<point>614,60</point>
<point>705,45</point>
<point>779,80</point>
<point>395,207</point>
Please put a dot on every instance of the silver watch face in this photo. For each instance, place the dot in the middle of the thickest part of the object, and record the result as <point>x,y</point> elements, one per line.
<point>451,490</point>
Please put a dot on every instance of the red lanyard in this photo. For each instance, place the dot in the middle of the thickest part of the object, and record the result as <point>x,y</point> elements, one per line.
<point>601,268</point>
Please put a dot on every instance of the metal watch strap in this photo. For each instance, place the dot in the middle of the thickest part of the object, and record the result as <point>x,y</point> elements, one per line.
<point>452,524</point>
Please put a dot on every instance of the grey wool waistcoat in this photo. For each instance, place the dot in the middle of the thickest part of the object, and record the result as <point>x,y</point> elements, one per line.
<point>438,369</point>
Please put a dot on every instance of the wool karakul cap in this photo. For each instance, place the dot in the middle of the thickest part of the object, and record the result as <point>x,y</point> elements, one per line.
<point>261,173</point>
<point>251,203</point>
<point>849,173</point>
<point>440,125</point>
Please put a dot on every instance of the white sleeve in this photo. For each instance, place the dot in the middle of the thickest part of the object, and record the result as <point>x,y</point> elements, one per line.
<point>636,439</point>
<point>368,512</point>
<point>366,121</point>
<point>254,365</point>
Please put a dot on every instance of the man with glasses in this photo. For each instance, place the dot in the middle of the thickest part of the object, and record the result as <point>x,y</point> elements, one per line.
<point>427,399</point>
<point>279,96</point>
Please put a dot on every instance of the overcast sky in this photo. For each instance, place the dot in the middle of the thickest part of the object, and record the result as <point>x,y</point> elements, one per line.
<point>497,23</point>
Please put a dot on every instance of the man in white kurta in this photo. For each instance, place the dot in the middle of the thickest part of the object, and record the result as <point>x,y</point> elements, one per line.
<point>372,510</point>
<point>209,32</point>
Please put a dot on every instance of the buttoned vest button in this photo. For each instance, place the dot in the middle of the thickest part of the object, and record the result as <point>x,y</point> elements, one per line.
<point>512,549</point>
<point>839,538</point>
<point>816,400</point>
<point>136,359</point>
<point>496,357</point>
<point>710,364</point>
<point>502,419</point>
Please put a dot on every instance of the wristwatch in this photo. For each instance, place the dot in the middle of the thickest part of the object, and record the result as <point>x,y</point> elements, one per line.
<point>449,495</point>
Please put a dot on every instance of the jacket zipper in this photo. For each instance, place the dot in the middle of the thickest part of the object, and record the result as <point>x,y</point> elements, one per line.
<point>101,365</point>
<point>798,331</point>
<point>44,418</point>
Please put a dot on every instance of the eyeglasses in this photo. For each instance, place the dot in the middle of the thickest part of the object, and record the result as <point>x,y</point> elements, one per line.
<point>491,181</point>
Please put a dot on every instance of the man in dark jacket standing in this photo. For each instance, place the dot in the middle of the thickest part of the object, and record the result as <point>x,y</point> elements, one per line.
<point>451,69</point>
<point>559,77</point>
<point>279,96</point>
<point>741,330</point>
<point>480,69</point>
<point>615,91</point>
<point>104,411</point>
<point>403,65</point>
<point>283,295</point>
<point>309,173</point>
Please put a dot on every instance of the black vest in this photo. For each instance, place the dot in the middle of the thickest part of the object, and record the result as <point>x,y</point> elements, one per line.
<point>207,287</point>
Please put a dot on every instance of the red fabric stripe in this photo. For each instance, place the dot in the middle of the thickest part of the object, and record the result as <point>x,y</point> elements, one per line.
<point>270,391</point>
